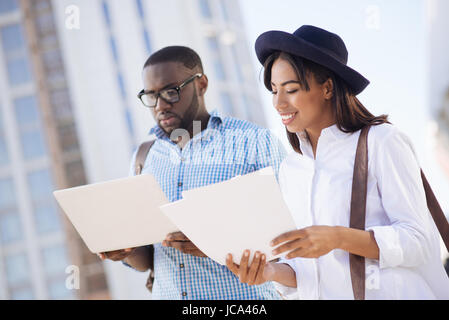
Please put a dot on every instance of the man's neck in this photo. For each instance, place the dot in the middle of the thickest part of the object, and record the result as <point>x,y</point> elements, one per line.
<point>198,125</point>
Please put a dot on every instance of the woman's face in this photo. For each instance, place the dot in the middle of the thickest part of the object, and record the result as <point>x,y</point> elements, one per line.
<point>299,109</point>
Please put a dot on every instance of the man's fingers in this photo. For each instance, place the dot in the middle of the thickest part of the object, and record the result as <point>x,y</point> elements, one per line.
<point>231,265</point>
<point>260,279</point>
<point>288,236</point>
<point>185,247</point>
<point>252,272</point>
<point>176,236</point>
<point>243,270</point>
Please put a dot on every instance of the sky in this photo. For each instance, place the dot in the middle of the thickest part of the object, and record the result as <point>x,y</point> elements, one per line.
<point>387,43</point>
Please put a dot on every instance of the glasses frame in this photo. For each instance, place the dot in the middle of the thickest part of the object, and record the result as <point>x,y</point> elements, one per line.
<point>177,88</point>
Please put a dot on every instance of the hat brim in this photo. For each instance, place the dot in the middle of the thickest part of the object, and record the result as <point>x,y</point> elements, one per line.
<point>271,41</point>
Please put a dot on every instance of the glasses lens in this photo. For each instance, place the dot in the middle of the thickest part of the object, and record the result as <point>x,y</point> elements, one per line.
<point>149,99</point>
<point>170,95</point>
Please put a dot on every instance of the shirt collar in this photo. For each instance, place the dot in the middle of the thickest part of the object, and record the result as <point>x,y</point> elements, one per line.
<point>332,132</point>
<point>329,134</point>
<point>214,122</point>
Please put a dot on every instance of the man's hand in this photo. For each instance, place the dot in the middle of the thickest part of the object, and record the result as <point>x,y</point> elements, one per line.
<point>116,255</point>
<point>180,242</point>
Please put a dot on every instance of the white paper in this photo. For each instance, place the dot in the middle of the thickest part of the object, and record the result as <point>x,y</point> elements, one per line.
<point>245,212</point>
<point>117,214</point>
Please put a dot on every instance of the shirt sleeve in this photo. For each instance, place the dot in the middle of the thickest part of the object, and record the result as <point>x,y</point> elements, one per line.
<point>270,152</point>
<point>406,241</point>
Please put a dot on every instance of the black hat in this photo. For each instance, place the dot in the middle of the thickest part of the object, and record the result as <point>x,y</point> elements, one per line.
<point>315,44</point>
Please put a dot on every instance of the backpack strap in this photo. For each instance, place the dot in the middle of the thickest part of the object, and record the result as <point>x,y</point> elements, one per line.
<point>141,156</point>
<point>358,211</point>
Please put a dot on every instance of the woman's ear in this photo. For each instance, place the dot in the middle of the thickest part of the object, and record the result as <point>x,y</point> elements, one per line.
<point>328,88</point>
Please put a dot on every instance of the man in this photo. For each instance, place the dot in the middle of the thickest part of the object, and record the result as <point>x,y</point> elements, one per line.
<point>194,148</point>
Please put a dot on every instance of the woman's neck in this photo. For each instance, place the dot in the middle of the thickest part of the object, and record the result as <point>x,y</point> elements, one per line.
<point>314,134</point>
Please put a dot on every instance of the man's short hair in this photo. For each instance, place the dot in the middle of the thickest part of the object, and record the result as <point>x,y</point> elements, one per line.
<point>188,57</point>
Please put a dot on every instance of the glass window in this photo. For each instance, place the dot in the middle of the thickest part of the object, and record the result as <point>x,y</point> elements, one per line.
<point>22,294</point>
<point>224,9</point>
<point>113,48</point>
<point>60,101</point>
<point>205,9</point>
<point>26,110</point>
<point>45,23</point>
<point>7,194</point>
<point>246,108</point>
<point>106,13</point>
<point>147,40</point>
<point>139,5</point>
<point>12,38</point>
<point>59,291</point>
<point>237,64</point>
<point>47,219</point>
<point>121,84</point>
<point>33,145</point>
<point>10,228</point>
<point>55,260</point>
<point>40,184</point>
<point>8,6</point>
<point>17,269</point>
<point>129,122</point>
<point>226,103</point>
<point>18,71</point>
<point>215,51</point>
<point>3,152</point>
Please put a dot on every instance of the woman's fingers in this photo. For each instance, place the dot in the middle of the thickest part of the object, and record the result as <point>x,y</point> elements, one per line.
<point>251,274</point>
<point>291,245</point>
<point>288,236</point>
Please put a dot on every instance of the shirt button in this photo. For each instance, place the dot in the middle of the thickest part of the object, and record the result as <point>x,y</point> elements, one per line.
<point>179,184</point>
<point>184,294</point>
<point>181,265</point>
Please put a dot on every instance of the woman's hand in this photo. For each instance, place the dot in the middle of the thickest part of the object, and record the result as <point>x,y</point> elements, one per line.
<point>257,272</point>
<point>310,242</point>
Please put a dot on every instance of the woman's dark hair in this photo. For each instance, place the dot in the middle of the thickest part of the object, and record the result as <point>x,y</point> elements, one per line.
<point>349,112</point>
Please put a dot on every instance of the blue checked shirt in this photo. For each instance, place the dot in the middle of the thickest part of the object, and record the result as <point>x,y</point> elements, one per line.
<point>226,148</point>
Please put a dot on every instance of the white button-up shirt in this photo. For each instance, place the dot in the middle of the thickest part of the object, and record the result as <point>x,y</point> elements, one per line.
<point>318,192</point>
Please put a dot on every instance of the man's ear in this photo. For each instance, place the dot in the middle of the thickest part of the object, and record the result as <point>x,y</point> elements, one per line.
<point>328,89</point>
<point>203,82</point>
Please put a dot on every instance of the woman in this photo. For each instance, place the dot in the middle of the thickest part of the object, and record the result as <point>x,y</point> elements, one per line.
<point>314,91</point>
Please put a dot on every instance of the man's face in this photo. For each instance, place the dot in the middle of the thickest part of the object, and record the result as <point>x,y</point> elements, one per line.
<point>166,75</point>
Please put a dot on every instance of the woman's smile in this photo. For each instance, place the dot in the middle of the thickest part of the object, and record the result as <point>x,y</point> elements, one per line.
<point>288,118</point>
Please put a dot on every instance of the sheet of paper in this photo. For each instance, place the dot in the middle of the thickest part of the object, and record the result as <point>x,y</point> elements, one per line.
<point>245,212</point>
<point>117,214</point>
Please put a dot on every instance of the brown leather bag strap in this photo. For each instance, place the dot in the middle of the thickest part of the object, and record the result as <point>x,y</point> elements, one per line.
<point>358,211</point>
<point>436,211</point>
<point>358,208</point>
<point>141,156</point>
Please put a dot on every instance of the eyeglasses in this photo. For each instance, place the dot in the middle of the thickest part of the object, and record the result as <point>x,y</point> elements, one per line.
<point>171,95</point>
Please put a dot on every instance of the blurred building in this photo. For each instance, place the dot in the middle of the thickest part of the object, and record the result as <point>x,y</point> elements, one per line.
<point>438,85</point>
<point>39,152</point>
<point>69,115</point>
<point>439,75</point>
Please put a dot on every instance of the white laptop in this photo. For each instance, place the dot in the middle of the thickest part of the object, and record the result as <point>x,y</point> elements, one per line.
<point>117,214</point>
